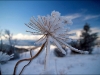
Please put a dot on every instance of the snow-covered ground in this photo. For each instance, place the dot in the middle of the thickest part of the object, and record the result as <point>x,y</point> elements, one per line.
<point>26,47</point>
<point>72,64</point>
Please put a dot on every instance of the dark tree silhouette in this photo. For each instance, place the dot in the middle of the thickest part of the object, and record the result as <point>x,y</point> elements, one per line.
<point>87,40</point>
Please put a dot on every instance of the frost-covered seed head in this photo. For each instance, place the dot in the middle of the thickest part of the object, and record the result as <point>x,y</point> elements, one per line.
<point>52,26</point>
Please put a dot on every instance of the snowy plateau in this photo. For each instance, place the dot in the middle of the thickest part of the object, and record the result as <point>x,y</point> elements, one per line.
<point>70,64</point>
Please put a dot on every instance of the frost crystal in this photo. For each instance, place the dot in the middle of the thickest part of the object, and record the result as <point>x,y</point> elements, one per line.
<point>52,26</point>
<point>4,57</point>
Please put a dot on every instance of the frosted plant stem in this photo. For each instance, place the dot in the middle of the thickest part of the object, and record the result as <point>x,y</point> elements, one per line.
<point>47,54</point>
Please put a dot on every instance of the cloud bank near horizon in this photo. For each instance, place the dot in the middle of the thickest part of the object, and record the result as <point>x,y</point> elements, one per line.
<point>77,33</point>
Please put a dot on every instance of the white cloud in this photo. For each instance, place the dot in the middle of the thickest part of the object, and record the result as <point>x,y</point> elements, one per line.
<point>21,36</point>
<point>94,30</point>
<point>77,32</point>
<point>26,37</point>
<point>91,17</point>
<point>73,16</point>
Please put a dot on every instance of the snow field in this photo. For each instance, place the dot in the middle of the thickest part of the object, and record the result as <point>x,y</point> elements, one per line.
<point>72,64</point>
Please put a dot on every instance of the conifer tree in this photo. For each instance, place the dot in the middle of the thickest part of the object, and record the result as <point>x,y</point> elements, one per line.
<point>87,40</point>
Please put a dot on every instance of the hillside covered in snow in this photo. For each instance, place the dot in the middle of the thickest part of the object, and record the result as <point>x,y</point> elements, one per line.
<point>70,64</point>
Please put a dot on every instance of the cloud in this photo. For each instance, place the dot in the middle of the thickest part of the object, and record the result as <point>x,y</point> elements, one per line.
<point>91,17</point>
<point>26,36</point>
<point>95,30</point>
<point>21,36</point>
<point>73,16</point>
<point>77,33</point>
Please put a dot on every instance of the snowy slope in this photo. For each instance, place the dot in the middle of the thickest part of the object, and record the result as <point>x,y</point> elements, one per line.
<point>73,64</point>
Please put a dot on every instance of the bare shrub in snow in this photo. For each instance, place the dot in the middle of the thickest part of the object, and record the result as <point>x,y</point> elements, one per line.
<point>11,45</point>
<point>5,57</point>
<point>58,53</point>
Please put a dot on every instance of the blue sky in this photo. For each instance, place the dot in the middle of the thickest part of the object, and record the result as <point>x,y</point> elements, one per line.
<point>13,14</point>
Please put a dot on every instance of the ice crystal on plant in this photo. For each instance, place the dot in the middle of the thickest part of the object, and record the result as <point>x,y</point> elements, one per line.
<point>52,26</point>
<point>5,57</point>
